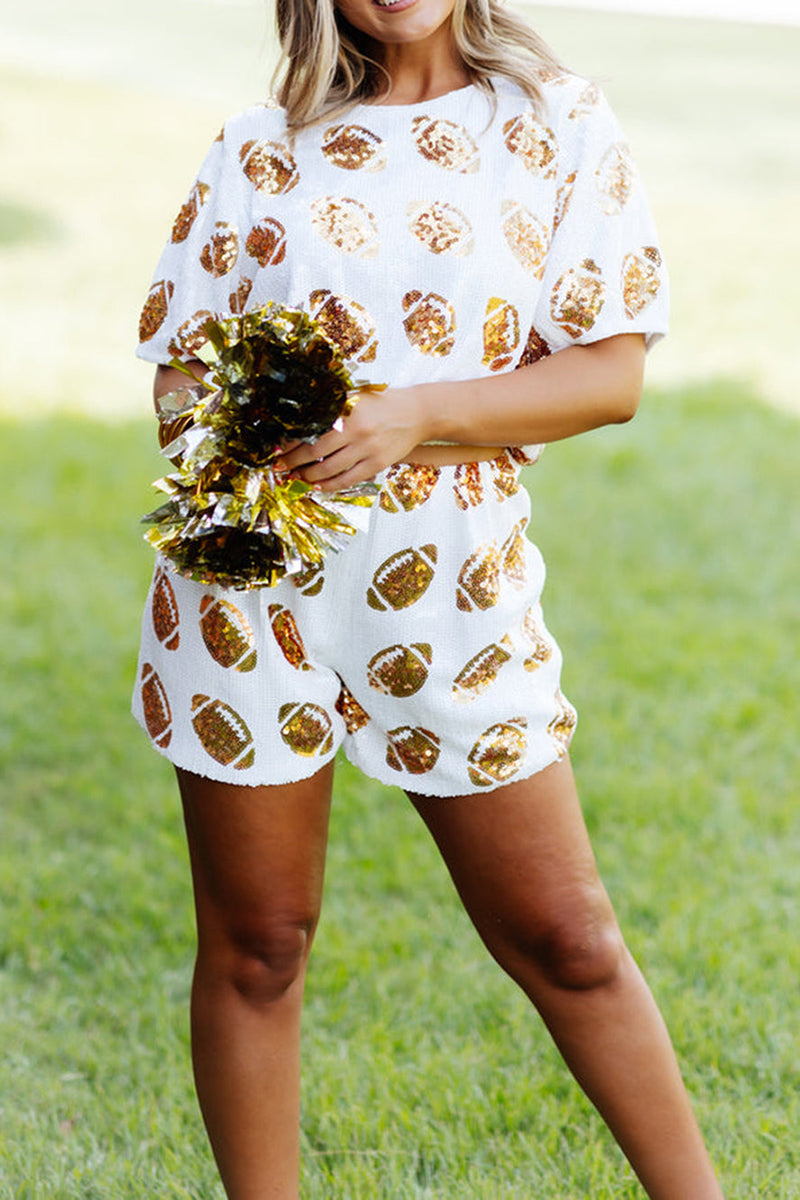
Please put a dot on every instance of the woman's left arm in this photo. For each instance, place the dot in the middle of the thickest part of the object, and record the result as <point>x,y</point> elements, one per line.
<point>577,389</point>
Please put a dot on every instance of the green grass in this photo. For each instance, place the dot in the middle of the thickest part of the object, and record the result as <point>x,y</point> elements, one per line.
<point>672,546</point>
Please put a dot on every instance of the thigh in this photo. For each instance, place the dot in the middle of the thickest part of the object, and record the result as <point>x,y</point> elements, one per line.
<point>522,863</point>
<point>257,853</point>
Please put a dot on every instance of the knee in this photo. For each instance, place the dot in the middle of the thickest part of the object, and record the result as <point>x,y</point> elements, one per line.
<point>576,946</point>
<point>262,959</point>
<point>581,954</point>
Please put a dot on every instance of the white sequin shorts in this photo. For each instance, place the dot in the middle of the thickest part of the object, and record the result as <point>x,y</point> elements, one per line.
<point>419,648</point>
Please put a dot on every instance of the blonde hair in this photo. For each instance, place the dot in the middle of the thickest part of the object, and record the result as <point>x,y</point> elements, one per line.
<point>325,68</point>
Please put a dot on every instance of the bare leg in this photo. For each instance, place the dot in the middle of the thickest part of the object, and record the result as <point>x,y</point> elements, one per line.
<point>521,861</point>
<point>258,857</point>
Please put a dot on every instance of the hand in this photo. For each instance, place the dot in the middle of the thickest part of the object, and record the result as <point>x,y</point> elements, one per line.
<point>381,429</point>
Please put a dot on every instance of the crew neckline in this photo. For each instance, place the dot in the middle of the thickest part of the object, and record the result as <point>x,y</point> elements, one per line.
<point>443,98</point>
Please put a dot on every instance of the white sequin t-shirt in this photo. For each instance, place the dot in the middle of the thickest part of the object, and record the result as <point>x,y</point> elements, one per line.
<point>431,241</point>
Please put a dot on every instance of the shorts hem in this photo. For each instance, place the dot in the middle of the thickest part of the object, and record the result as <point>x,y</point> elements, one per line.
<point>410,782</point>
<point>221,774</point>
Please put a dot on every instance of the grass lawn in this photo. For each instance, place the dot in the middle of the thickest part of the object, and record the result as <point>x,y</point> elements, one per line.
<point>673,589</point>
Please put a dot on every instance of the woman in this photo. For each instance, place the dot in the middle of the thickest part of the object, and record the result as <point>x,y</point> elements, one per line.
<point>461,215</point>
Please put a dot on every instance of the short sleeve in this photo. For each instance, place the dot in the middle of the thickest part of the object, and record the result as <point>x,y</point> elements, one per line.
<point>199,273</point>
<point>604,273</point>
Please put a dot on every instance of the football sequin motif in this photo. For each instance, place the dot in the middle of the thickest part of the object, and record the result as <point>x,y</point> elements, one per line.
<point>468,485</point>
<point>442,228</point>
<point>311,581</point>
<point>266,242</point>
<point>615,178</point>
<point>346,323</point>
<point>512,556</point>
<point>222,733</point>
<point>269,166</point>
<point>353,148</point>
<point>430,324</point>
<point>533,144</point>
<point>402,579</point>
<point>577,298</point>
<point>407,486</point>
<point>481,671</point>
<point>354,716</point>
<point>528,238</point>
<point>641,279</point>
<point>238,300</point>
<point>498,753</point>
<point>227,634</point>
<point>164,611</point>
<point>500,333</point>
<point>346,224</point>
<point>155,707</point>
<point>446,144</point>
<point>541,649</point>
<point>588,100</point>
<point>400,671</point>
<point>535,348</point>
<point>188,213</point>
<point>563,725</point>
<point>155,309</point>
<point>479,580</point>
<point>221,251</point>
<point>287,635</point>
<point>412,749</point>
<point>306,728</point>
<point>190,335</point>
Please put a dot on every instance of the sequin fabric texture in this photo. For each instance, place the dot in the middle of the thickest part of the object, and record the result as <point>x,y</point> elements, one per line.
<point>431,242</point>
<point>428,660</point>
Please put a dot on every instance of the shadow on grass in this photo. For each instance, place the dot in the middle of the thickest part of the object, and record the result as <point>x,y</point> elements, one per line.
<point>674,576</point>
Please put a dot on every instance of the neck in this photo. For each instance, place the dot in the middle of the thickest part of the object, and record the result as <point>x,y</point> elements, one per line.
<point>422,70</point>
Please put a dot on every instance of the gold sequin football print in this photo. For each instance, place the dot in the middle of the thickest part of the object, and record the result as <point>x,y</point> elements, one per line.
<point>269,166</point>
<point>155,309</point>
<point>407,486</point>
<point>306,728</point>
<point>354,716</point>
<point>227,634</point>
<point>164,611</point>
<point>445,143</point>
<point>222,733</point>
<point>442,228</point>
<point>400,671</point>
<point>577,298</point>
<point>220,253</point>
<point>346,323</point>
<point>155,706</point>
<point>528,238</point>
<point>615,178</point>
<point>479,579</point>
<point>346,224</point>
<point>500,333</point>
<point>188,214</point>
<point>412,749</point>
<point>287,635</point>
<point>498,753</point>
<point>482,670</point>
<point>266,242</point>
<point>353,148</point>
<point>641,279</point>
<point>533,144</point>
<point>402,579</point>
<point>190,336</point>
<point>430,323</point>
